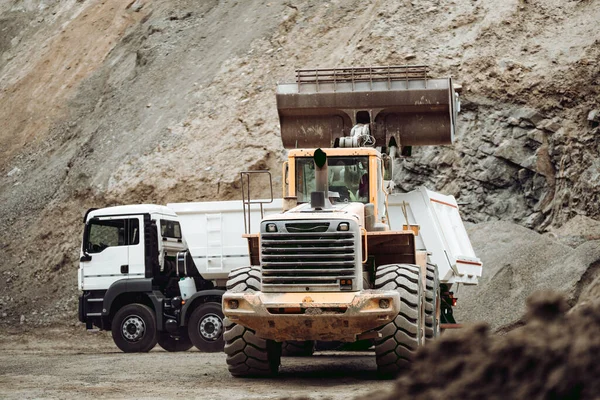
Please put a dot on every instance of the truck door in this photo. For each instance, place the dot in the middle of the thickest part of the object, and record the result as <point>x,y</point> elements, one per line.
<point>135,246</point>
<point>109,241</point>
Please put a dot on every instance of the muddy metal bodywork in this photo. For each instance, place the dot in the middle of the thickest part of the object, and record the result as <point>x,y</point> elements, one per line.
<point>316,290</point>
<point>313,316</point>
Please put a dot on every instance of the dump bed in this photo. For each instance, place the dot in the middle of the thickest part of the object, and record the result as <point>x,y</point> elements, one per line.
<point>399,102</point>
<point>441,233</point>
<point>214,233</point>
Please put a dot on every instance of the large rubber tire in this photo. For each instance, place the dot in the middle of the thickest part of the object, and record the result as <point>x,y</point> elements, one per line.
<point>244,279</point>
<point>172,344</point>
<point>400,338</point>
<point>134,328</point>
<point>247,354</point>
<point>298,348</point>
<point>432,303</point>
<point>205,327</point>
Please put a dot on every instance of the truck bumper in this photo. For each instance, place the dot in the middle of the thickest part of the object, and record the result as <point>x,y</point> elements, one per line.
<point>312,316</point>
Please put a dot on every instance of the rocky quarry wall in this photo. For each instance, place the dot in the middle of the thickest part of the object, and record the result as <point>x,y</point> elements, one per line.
<point>127,102</point>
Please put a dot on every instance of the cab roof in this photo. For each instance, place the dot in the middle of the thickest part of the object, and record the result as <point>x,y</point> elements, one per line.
<point>134,209</point>
<point>336,152</point>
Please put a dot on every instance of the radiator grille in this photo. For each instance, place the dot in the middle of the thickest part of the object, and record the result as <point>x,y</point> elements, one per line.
<point>306,260</point>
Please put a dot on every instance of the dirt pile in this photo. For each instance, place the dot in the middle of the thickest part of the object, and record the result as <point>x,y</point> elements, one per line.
<point>554,356</point>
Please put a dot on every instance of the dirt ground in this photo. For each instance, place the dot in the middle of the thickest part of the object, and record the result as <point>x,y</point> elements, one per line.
<point>72,364</point>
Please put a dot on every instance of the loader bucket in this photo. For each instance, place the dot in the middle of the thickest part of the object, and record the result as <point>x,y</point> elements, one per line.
<point>399,102</point>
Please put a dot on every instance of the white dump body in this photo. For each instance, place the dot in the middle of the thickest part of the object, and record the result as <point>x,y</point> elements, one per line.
<point>441,233</point>
<point>213,232</point>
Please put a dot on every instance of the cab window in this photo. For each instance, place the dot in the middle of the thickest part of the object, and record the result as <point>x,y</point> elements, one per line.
<point>348,178</point>
<point>170,229</point>
<point>111,233</point>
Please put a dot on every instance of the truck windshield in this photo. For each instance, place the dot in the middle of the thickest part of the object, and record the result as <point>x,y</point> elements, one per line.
<point>348,177</point>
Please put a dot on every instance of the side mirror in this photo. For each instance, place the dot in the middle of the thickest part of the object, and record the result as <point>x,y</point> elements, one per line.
<point>85,257</point>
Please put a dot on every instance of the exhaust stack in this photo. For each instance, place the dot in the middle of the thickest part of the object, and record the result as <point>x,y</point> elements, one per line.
<point>319,198</point>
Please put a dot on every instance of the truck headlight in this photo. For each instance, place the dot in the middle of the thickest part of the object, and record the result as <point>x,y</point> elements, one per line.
<point>271,228</point>
<point>344,227</point>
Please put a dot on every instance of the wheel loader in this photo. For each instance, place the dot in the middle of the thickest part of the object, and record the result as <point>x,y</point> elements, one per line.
<point>346,260</point>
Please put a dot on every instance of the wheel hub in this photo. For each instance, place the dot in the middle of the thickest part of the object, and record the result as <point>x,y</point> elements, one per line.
<point>133,328</point>
<point>210,327</point>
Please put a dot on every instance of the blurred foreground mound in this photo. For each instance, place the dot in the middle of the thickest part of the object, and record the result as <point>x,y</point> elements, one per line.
<point>554,356</point>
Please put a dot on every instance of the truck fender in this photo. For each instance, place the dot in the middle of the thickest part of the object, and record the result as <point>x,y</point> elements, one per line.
<point>125,286</point>
<point>197,298</point>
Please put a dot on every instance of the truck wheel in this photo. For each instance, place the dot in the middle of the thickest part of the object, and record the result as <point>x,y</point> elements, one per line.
<point>247,354</point>
<point>170,343</point>
<point>134,328</point>
<point>205,327</point>
<point>401,337</point>
<point>432,303</point>
<point>298,348</point>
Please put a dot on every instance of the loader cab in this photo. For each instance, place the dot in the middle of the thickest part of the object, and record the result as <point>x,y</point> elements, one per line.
<point>354,175</point>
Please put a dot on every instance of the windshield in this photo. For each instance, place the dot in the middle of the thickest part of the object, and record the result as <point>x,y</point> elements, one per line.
<point>348,177</point>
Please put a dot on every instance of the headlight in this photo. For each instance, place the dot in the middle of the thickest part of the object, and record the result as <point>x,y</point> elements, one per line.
<point>344,226</point>
<point>271,228</point>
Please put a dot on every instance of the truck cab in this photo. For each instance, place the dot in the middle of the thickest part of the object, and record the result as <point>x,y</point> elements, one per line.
<point>139,281</point>
<point>115,246</point>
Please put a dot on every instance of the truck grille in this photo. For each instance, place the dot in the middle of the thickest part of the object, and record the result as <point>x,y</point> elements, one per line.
<point>310,259</point>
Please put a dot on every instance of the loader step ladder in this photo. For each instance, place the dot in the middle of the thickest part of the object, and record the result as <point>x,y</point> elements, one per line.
<point>214,242</point>
<point>247,201</point>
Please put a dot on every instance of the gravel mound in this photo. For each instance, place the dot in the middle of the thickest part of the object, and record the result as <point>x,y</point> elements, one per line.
<point>517,262</point>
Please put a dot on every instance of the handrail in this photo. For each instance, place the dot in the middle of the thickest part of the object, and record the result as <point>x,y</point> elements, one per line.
<point>247,199</point>
<point>363,230</point>
<point>285,182</point>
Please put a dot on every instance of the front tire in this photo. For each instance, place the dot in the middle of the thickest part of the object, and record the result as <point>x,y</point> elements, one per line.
<point>249,355</point>
<point>401,337</point>
<point>173,344</point>
<point>134,328</point>
<point>205,328</point>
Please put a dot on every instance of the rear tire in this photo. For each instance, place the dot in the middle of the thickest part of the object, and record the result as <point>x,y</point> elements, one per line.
<point>134,328</point>
<point>205,328</point>
<point>432,304</point>
<point>298,348</point>
<point>173,344</point>
<point>401,337</point>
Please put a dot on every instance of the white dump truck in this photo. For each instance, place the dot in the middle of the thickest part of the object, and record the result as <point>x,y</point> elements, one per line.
<point>153,274</point>
<point>346,260</point>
